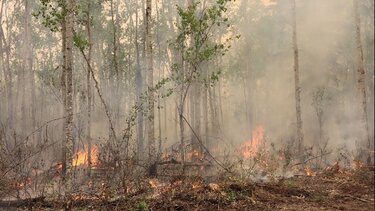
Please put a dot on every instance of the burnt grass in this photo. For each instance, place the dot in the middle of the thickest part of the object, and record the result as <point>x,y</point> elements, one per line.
<point>341,190</point>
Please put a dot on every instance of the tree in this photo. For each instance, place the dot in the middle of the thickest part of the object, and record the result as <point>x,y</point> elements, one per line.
<point>68,80</point>
<point>361,78</point>
<point>297,85</point>
<point>5,54</point>
<point>28,65</point>
<point>138,91</point>
<point>88,83</point>
<point>199,26</point>
<point>150,84</point>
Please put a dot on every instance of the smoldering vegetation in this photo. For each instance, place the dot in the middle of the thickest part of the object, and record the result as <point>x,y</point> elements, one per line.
<point>243,112</point>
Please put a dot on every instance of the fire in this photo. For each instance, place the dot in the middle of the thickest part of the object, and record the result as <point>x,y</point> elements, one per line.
<point>24,183</point>
<point>357,164</point>
<point>250,148</point>
<point>193,154</point>
<point>155,183</point>
<point>309,172</point>
<point>81,157</point>
<point>196,185</point>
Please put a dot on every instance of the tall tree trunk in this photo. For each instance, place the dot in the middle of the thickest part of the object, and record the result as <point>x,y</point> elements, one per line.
<point>150,83</point>
<point>160,74</point>
<point>139,90</point>
<point>205,108</point>
<point>63,94</point>
<point>197,115</point>
<point>5,53</point>
<point>114,60</point>
<point>297,85</point>
<point>68,66</point>
<point>361,78</point>
<point>28,68</point>
<point>88,86</point>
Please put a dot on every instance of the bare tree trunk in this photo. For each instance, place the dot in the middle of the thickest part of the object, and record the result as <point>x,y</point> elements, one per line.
<point>181,106</point>
<point>63,95</point>
<point>28,80</point>
<point>205,109</point>
<point>139,90</point>
<point>296,80</point>
<point>197,115</point>
<point>68,66</point>
<point>161,74</point>
<point>5,53</point>
<point>114,61</point>
<point>88,86</point>
<point>150,83</point>
<point>361,78</point>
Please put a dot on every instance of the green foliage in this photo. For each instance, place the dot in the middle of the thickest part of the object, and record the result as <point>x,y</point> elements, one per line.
<point>215,76</point>
<point>52,13</point>
<point>80,42</point>
<point>142,206</point>
<point>195,30</point>
<point>196,38</point>
<point>231,195</point>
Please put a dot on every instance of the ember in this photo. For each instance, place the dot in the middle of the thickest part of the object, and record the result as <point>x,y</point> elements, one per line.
<point>309,172</point>
<point>193,154</point>
<point>154,183</point>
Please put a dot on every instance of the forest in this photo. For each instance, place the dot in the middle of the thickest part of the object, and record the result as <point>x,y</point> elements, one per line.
<point>187,105</point>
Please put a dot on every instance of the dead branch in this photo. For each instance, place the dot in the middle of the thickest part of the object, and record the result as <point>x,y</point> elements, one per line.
<point>21,203</point>
<point>357,198</point>
<point>204,147</point>
<point>310,159</point>
<point>100,94</point>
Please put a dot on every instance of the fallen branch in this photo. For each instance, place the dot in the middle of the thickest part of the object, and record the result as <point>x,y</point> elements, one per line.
<point>204,147</point>
<point>310,159</point>
<point>21,202</point>
<point>357,198</point>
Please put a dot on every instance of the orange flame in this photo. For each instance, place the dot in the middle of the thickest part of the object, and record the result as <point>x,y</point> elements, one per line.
<point>154,183</point>
<point>357,164</point>
<point>196,185</point>
<point>24,183</point>
<point>193,154</point>
<point>250,148</point>
<point>81,157</point>
<point>309,172</point>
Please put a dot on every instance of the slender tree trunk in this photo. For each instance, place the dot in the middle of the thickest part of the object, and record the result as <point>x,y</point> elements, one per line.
<point>88,86</point>
<point>139,90</point>
<point>68,66</point>
<point>115,64</point>
<point>197,100</point>
<point>5,53</point>
<point>63,95</point>
<point>161,74</point>
<point>191,113</point>
<point>361,78</point>
<point>150,83</point>
<point>28,80</point>
<point>296,80</point>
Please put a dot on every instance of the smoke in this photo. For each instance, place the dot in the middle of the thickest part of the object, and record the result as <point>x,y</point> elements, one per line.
<point>327,57</point>
<point>255,89</point>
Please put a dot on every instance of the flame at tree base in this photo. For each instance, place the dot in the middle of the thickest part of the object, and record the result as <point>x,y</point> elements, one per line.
<point>81,157</point>
<point>250,148</point>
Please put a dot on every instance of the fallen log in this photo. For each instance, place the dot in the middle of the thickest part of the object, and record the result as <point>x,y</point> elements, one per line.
<point>21,202</point>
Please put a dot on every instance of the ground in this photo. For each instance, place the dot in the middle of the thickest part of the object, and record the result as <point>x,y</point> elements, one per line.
<point>334,189</point>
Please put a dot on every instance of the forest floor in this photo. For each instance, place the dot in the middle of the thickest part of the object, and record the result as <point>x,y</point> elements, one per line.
<point>333,189</point>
